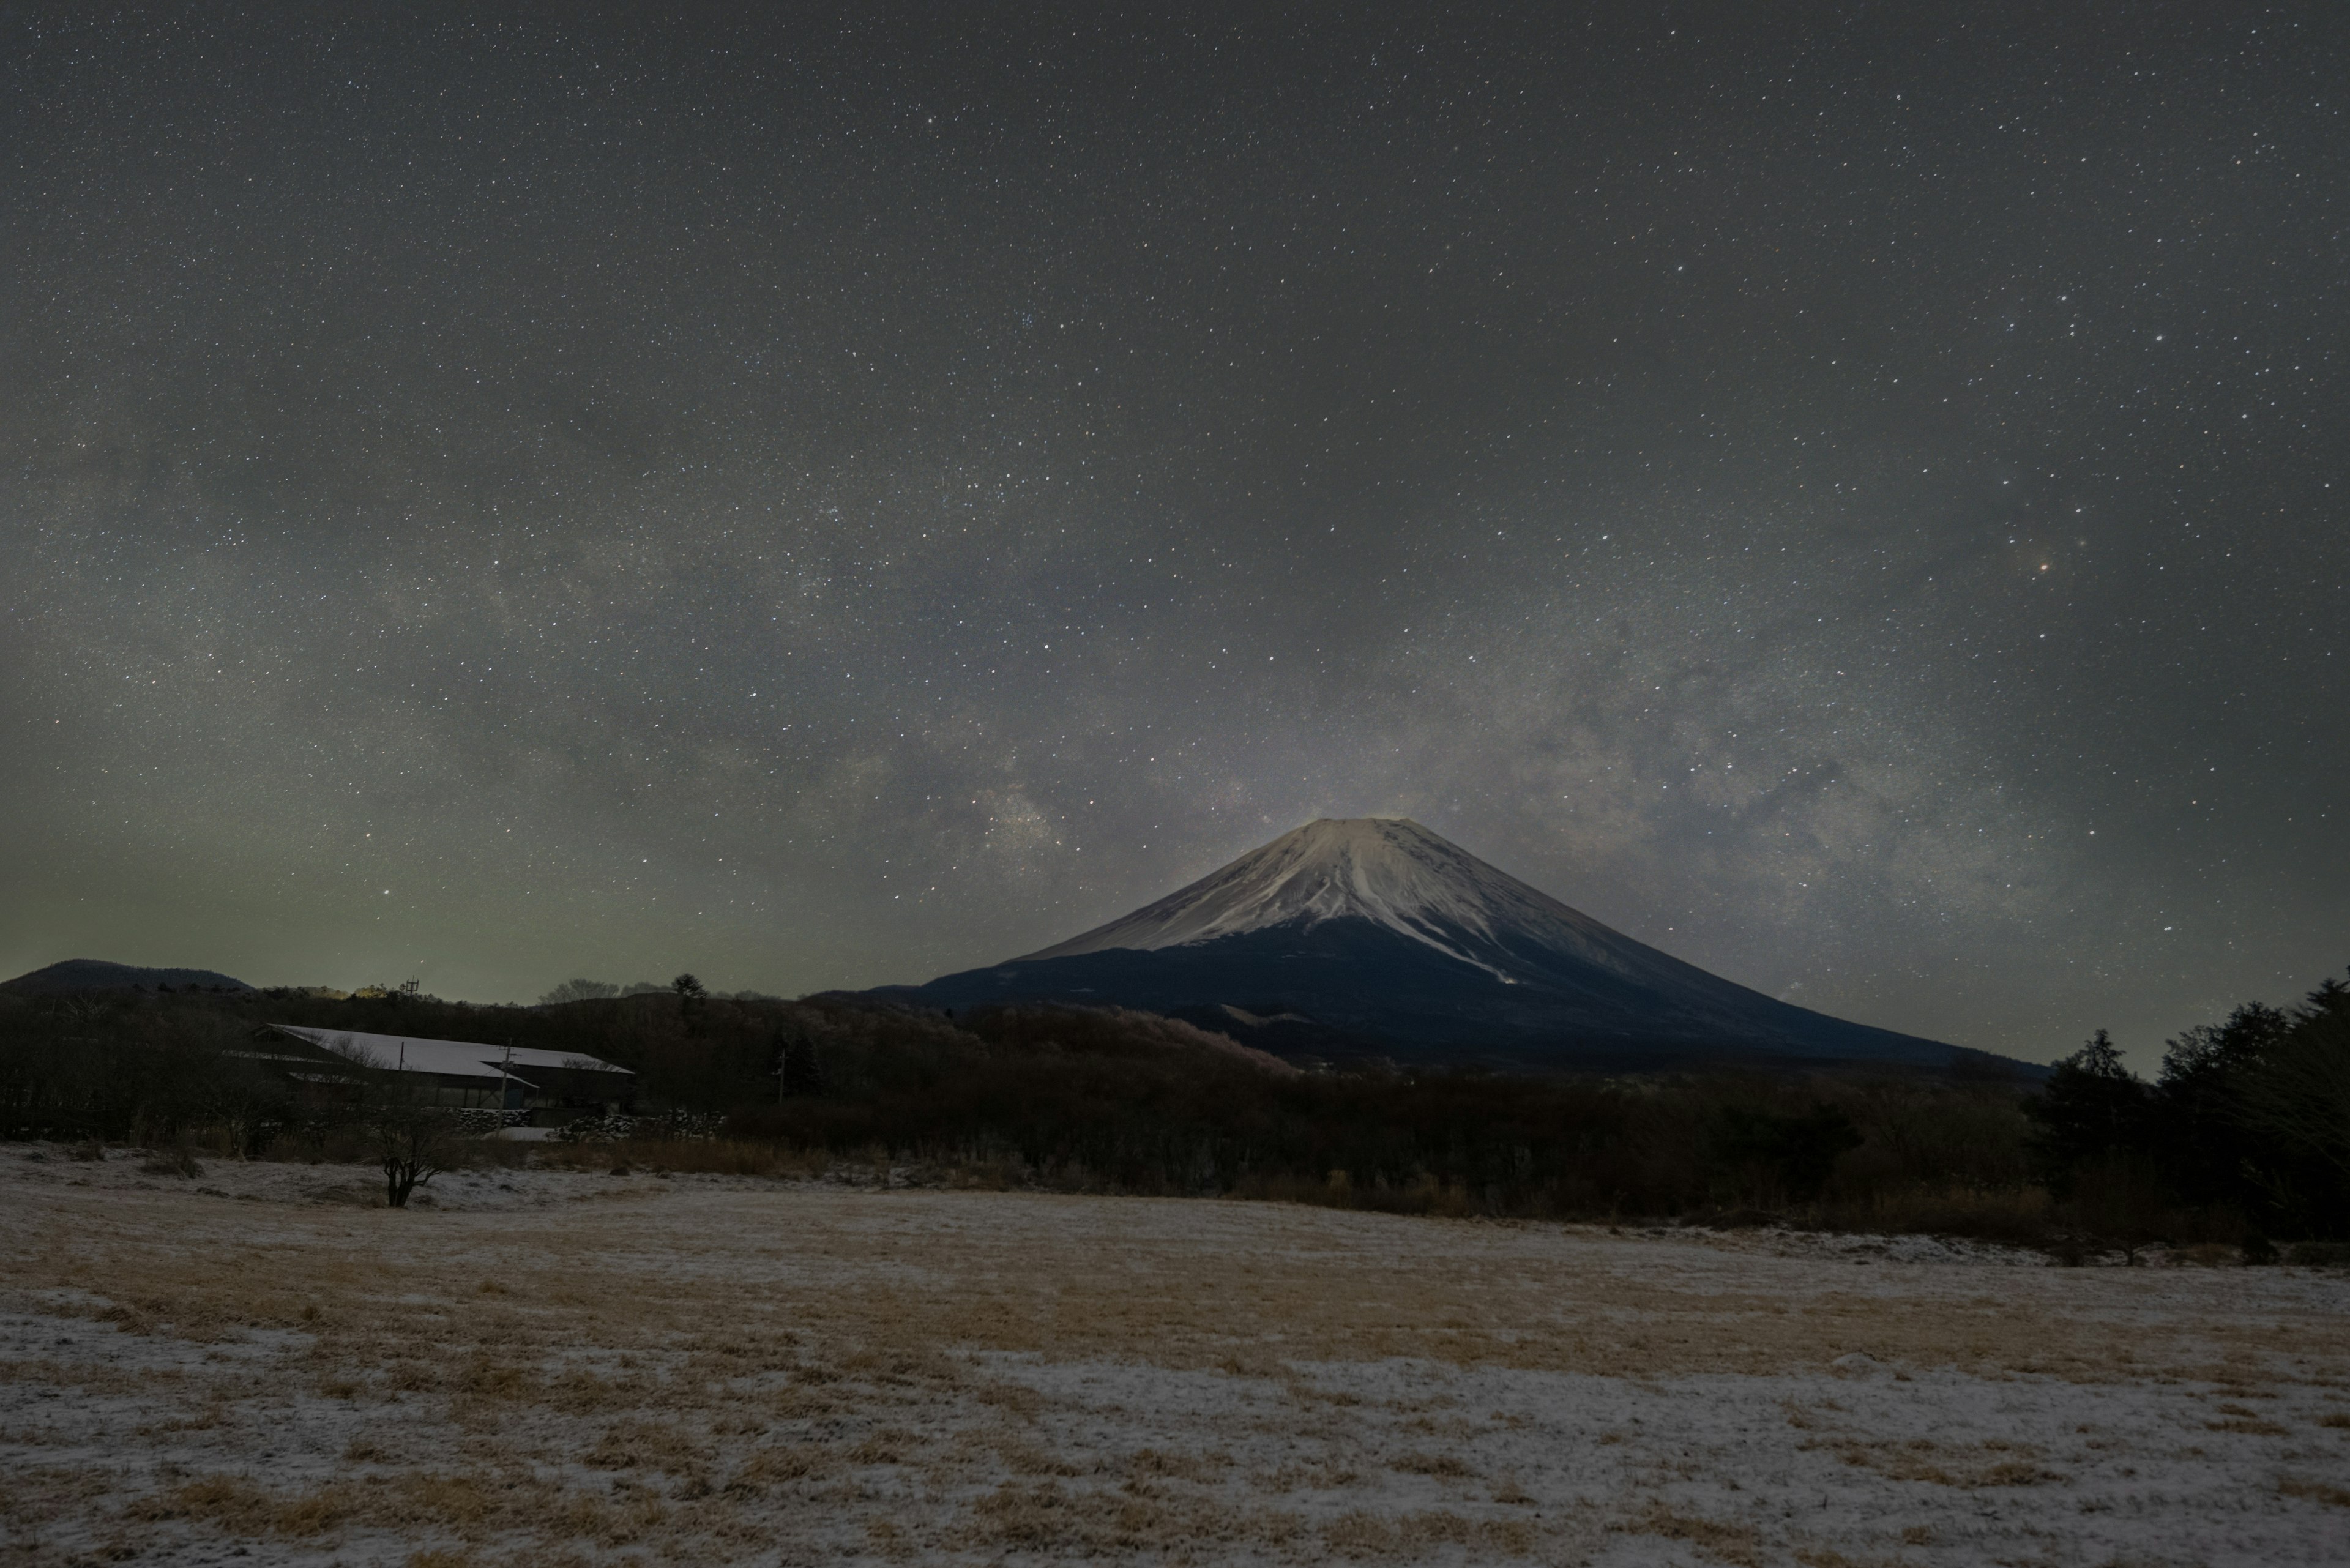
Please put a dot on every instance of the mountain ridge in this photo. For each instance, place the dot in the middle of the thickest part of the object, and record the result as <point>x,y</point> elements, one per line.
<point>68,975</point>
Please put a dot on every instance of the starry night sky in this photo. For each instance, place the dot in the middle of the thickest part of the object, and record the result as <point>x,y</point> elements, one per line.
<point>1852,497</point>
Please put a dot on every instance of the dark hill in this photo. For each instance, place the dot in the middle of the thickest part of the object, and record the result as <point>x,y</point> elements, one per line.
<point>72,975</point>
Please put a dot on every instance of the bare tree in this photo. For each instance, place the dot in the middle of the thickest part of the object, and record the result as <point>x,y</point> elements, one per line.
<point>411,1138</point>
<point>247,1103</point>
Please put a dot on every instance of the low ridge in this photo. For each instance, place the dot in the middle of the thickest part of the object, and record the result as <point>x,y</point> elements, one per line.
<point>69,975</point>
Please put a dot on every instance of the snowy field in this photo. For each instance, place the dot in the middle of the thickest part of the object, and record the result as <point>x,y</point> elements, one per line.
<point>554,1368</point>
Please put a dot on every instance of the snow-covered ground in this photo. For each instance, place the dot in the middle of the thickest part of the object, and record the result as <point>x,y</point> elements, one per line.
<point>546,1366</point>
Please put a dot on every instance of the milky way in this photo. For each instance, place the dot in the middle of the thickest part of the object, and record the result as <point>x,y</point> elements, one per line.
<point>1856,505</point>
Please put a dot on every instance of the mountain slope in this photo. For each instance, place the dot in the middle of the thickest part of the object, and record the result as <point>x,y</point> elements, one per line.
<point>1377,934</point>
<point>96,974</point>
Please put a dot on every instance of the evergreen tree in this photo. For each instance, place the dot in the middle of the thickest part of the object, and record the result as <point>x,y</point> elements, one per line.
<point>2206,1149</point>
<point>2093,1110</point>
<point>800,1069</point>
<point>2292,1105</point>
<point>1800,1151</point>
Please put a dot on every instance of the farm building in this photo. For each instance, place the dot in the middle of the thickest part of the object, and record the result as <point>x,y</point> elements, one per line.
<point>467,1075</point>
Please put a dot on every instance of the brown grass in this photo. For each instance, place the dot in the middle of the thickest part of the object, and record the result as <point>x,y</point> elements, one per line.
<point>1737,1543</point>
<point>2020,1215</point>
<point>1332,1286</point>
<point>647,1444</point>
<point>785,1462</point>
<point>240,1506</point>
<point>1991,1464</point>
<point>1202,1468</point>
<point>1049,1516</point>
<point>1361,1534</point>
<point>716,1357</point>
<point>706,1156</point>
<point>2316,1492</point>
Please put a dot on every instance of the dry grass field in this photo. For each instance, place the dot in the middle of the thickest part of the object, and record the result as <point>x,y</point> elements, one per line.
<point>548,1367</point>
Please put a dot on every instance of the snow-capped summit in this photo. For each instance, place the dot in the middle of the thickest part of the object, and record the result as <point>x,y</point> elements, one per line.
<point>1389,870</point>
<point>1374,936</point>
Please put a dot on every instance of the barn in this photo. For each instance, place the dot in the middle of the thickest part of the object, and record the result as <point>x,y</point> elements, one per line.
<point>544,1086</point>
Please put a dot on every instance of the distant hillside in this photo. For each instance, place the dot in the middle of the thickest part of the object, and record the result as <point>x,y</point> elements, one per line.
<point>96,974</point>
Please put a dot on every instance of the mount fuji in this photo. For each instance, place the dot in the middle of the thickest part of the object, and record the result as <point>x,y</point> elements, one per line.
<point>1375,937</point>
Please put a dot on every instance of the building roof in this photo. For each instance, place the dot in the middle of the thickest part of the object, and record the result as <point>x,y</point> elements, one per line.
<point>447,1058</point>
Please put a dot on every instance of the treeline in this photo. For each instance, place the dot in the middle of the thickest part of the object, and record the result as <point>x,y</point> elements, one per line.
<point>1083,1099</point>
<point>154,1069</point>
<point>2248,1118</point>
<point>134,1068</point>
<point>2240,1137</point>
<point>1118,1101</point>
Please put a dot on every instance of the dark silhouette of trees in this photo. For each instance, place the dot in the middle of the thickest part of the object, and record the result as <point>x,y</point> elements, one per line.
<point>2205,1147</point>
<point>579,990</point>
<point>2249,1117</point>
<point>690,999</point>
<point>2293,1099</point>
<point>2244,1133</point>
<point>799,1065</point>
<point>1798,1151</point>
<point>2093,1110</point>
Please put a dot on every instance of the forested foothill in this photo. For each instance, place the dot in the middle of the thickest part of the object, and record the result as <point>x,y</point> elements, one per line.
<point>2241,1146</point>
